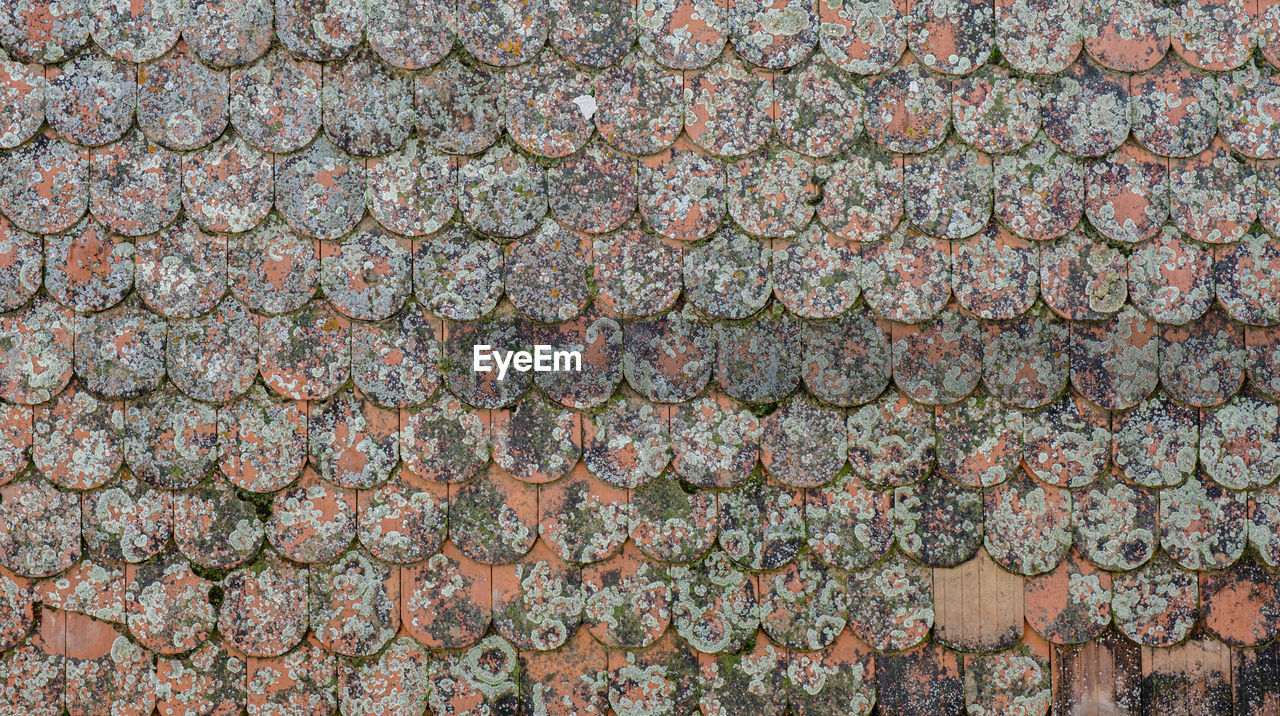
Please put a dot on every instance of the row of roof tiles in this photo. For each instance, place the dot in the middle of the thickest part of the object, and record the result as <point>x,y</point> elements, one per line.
<point>951,37</point>
<point>82,664</point>
<point>1028,485</point>
<point>73,661</point>
<point>1026,524</point>
<point>355,604</point>
<point>557,275</point>
<point>1117,362</point>
<point>135,189</point>
<point>551,109</point>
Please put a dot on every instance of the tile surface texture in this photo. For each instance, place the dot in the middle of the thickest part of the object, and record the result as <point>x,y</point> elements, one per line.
<point>930,357</point>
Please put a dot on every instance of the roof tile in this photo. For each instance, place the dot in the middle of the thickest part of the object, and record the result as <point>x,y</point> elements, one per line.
<point>669,523</point>
<point>502,193</point>
<point>663,676</point>
<point>411,34</point>
<point>994,274</point>
<point>225,33</point>
<point>543,111</point>
<point>1027,524</point>
<point>434,612</point>
<point>1213,34</point>
<point>460,107</point>
<point>262,441</point>
<point>106,670</point>
<point>583,520</point>
<point>403,520</point>
<point>320,31</point>
<point>352,442</point>
<point>91,98</point>
<point>908,109</point>
<point>979,441</point>
<point>626,441</point>
<point>995,111</point>
<point>862,47</point>
<point>20,264</point>
<point>1114,362</point>
<point>1071,604</point>
<point>320,190</point>
<point>730,275</point>
<point>1033,214</point>
<point>302,680</point>
<point>182,104</point>
<point>394,362</point>
<point>908,277</point>
<point>1127,36</point>
<point>1239,445</point>
<point>167,605</point>
<point>597,338</point>
<point>1082,277</point>
<point>368,275</point>
<point>394,682</point>
<point>727,681</point>
<point>127,520</point>
<point>892,440</point>
<point>758,360</point>
<point>504,33</point>
<point>457,274</point>
<point>840,678</point>
<point>771,192</point>
<point>537,601</point>
<point>43,30</point>
<point>537,441</point>
<point>891,604</point>
<point>1155,442</point>
<point>637,273</point>
<point>594,34</point>
<point>714,606</point>
<point>1156,605</point>
<point>214,528</point>
<point>40,536</point>
<point>819,110</point>
<point>494,518</point>
<point>78,440</point>
<point>683,34</point>
<point>1240,605</point>
<point>367,106</point>
<point>120,352</point>
<point>45,184</point>
<point>353,604</point>
<point>227,186</point>
<point>1214,195</point>
<point>22,97</point>
<point>1086,109</point>
<point>214,357</point>
<point>264,608</point>
<point>639,104</point>
<point>683,193</point>
<point>1249,132</point>
<point>938,361</point>
<point>714,441</point>
<point>170,440</point>
<point>181,272</point>
<point>925,680</point>
<point>762,523</point>
<point>313,521</point>
<point>862,194</point>
<point>593,191</point>
<point>803,443</point>
<point>546,273</point>
<point>275,102</point>
<point>1068,443</point>
<point>846,361</point>
<point>728,107</point>
<point>803,605</point>
<point>1170,278</point>
<point>134,185</point>
<point>1127,194</point>
<point>1114,522</point>
<point>561,683</point>
<point>952,37</point>
<point>305,355</point>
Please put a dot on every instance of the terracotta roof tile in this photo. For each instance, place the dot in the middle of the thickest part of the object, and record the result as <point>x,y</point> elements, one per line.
<point>1114,522</point>
<point>227,34</point>
<point>275,102</point>
<point>264,607</point>
<point>582,519</point>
